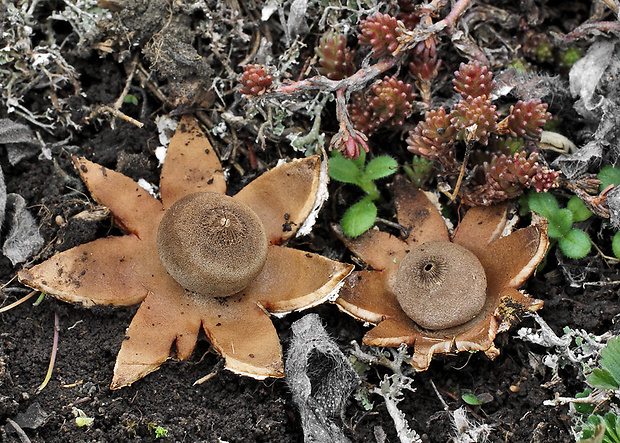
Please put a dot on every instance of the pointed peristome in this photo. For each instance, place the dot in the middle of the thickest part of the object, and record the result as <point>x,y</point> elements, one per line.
<point>375,295</point>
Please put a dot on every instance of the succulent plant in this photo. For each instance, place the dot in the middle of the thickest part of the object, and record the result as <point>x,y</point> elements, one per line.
<point>360,113</point>
<point>538,46</point>
<point>473,79</point>
<point>391,98</point>
<point>335,59</point>
<point>424,64</point>
<point>379,32</point>
<point>434,136</point>
<point>407,14</point>
<point>507,176</point>
<point>527,119</point>
<point>474,118</point>
<point>512,173</point>
<point>255,80</point>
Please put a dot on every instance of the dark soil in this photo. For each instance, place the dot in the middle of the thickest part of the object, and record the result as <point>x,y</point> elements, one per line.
<point>228,407</point>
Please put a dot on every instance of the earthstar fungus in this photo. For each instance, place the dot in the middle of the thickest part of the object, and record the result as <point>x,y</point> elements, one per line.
<point>163,249</point>
<point>442,293</point>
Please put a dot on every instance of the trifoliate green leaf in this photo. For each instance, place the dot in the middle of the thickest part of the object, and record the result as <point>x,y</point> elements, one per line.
<point>543,203</point>
<point>609,175</point>
<point>560,223</point>
<point>575,244</point>
<point>359,218</point>
<point>579,209</point>
<point>380,167</point>
<point>343,170</point>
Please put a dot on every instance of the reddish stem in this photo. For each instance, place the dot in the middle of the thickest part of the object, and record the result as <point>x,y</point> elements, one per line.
<point>589,28</point>
<point>355,82</point>
<point>456,11</point>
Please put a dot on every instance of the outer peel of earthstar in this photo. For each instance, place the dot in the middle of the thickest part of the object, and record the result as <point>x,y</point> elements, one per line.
<point>370,294</point>
<point>126,270</point>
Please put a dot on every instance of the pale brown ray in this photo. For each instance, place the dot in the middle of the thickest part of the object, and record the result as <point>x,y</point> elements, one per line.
<point>191,164</point>
<point>108,271</point>
<point>418,214</point>
<point>510,260</point>
<point>128,202</point>
<point>292,279</point>
<point>366,296</point>
<point>284,196</point>
<point>377,249</point>
<point>245,336</point>
<point>480,226</point>
<point>163,317</point>
<point>392,332</point>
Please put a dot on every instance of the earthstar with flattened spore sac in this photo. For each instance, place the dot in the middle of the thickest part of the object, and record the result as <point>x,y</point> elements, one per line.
<point>161,262</point>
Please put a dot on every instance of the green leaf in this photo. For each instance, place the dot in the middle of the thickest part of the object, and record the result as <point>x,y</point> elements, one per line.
<point>129,98</point>
<point>359,162</point>
<point>592,433</point>
<point>610,358</point>
<point>579,209</point>
<point>524,205</point>
<point>615,244</point>
<point>609,175</point>
<point>602,378</point>
<point>343,170</point>
<point>418,171</point>
<point>471,399</point>
<point>560,223</point>
<point>161,432</point>
<point>359,218</point>
<point>543,203</point>
<point>379,167</point>
<point>584,408</point>
<point>612,427</point>
<point>475,400</point>
<point>575,244</point>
